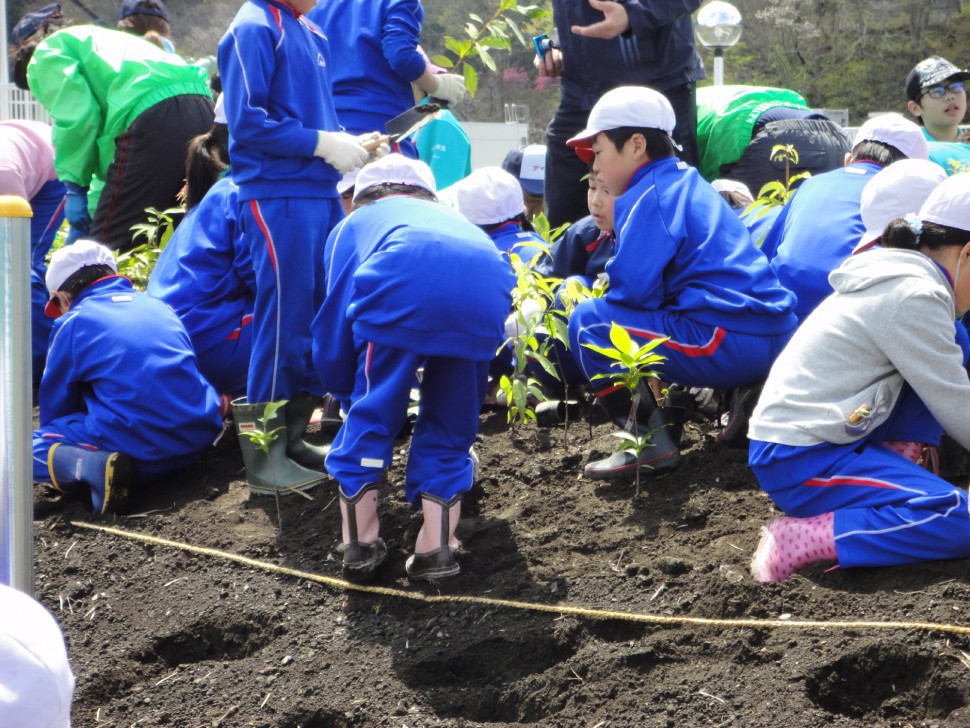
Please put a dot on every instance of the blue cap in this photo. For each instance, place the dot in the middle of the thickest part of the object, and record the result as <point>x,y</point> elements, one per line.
<point>32,22</point>
<point>143,7</point>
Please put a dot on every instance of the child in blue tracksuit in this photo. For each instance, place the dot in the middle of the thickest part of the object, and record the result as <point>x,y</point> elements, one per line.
<point>287,157</point>
<point>825,433</point>
<point>98,424</point>
<point>411,286</point>
<point>374,47</point>
<point>205,274</point>
<point>685,268</point>
<point>804,251</point>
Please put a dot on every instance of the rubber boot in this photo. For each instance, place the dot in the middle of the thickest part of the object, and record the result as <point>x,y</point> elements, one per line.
<point>297,413</point>
<point>789,544</point>
<point>363,548</point>
<point>106,474</point>
<point>272,471</point>
<point>435,547</point>
<point>662,454</point>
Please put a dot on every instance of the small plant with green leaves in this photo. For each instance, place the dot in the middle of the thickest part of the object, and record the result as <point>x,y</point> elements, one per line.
<point>486,36</point>
<point>263,437</point>
<point>137,264</point>
<point>775,194</point>
<point>633,363</point>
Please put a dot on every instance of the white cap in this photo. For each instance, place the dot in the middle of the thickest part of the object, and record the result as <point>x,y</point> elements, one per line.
<point>348,181</point>
<point>71,258</point>
<point>395,169</point>
<point>220,111</point>
<point>36,682</point>
<point>897,190</point>
<point>949,203</point>
<point>635,106</point>
<point>488,196</point>
<point>896,131</point>
<point>732,185</point>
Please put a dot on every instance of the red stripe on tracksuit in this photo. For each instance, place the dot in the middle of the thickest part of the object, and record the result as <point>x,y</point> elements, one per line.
<point>707,349</point>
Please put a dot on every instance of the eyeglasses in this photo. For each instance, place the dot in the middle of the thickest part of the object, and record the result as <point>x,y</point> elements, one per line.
<point>938,92</point>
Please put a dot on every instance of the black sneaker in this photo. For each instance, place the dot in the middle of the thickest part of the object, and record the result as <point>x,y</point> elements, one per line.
<point>743,401</point>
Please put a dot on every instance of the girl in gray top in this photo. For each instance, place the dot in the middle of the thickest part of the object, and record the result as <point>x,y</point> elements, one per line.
<point>872,363</point>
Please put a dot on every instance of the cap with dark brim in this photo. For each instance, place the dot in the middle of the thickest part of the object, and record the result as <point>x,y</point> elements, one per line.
<point>929,72</point>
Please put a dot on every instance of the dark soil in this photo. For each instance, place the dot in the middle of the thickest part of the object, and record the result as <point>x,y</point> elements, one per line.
<point>160,636</point>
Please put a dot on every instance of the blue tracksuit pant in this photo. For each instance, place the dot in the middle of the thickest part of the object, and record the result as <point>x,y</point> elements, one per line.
<point>70,430</point>
<point>888,510</point>
<point>226,364</point>
<point>697,355</point>
<point>286,239</point>
<point>451,398</point>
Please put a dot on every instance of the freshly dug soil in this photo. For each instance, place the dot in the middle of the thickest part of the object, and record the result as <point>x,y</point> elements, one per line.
<point>535,629</point>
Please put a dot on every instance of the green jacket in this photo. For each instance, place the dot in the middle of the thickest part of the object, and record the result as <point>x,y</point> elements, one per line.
<point>95,82</point>
<point>725,117</point>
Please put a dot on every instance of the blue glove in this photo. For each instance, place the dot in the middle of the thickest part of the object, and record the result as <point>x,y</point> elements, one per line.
<point>76,211</point>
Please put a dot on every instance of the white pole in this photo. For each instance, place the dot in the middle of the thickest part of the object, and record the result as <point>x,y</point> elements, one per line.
<point>16,472</point>
<point>718,66</point>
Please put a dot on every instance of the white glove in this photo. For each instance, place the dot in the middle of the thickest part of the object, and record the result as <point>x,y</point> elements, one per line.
<point>373,144</point>
<point>340,150</point>
<point>529,309</point>
<point>702,396</point>
<point>451,88</point>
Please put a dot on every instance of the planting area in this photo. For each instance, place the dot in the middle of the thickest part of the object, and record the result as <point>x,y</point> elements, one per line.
<point>578,604</point>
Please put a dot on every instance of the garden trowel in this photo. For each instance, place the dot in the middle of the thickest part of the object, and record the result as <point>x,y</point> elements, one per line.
<point>406,124</point>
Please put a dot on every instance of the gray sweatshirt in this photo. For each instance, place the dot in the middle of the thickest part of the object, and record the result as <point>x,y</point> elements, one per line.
<point>890,320</point>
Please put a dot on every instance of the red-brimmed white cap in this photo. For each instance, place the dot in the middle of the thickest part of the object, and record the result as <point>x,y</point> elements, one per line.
<point>69,260</point>
<point>488,196</point>
<point>899,189</point>
<point>395,169</point>
<point>894,130</point>
<point>949,203</point>
<point>635,106</point>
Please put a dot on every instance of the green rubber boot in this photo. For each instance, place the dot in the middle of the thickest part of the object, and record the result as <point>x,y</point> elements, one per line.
<point>270,471</point>
<point>297,413</point>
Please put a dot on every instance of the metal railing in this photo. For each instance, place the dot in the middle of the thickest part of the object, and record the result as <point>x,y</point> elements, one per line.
<point>16,103</point>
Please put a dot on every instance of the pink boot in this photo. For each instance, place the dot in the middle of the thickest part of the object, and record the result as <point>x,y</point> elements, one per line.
<point>363,548</point>
<point>435,547</point>
<point>788,544</point>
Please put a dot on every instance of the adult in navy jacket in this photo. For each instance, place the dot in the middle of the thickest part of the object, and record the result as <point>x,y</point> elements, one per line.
<point>99,425</point>
<point>287,157</point>
<point>411,285</point>
<point>375,54</point>
<point>606,44</point>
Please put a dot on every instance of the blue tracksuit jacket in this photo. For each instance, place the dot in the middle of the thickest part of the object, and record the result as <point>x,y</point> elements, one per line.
<point>374,47</point>
<point>413,275</point>
<point>274,105</point>
<point>510,238</point>
<point>681,248</point>
<point>160,416</point>
<point>205,273</point>
<point>817,230</point>
<point>583,250</point>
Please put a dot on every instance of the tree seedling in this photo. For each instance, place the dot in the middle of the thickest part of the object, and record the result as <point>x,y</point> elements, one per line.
<point>633,363</point>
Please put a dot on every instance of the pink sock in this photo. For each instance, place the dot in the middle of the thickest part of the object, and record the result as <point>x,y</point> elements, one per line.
<point>788,544</point>
<point>912,451</point>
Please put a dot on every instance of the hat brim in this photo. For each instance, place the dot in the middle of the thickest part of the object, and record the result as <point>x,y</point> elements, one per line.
<point>52,310</point>
<point>868,239</point>
<point>533,186</point>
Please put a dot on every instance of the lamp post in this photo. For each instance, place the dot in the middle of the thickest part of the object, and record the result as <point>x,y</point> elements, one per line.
<point>718,26</point>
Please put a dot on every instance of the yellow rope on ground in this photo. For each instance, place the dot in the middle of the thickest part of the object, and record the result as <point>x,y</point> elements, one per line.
<point>558,609</point>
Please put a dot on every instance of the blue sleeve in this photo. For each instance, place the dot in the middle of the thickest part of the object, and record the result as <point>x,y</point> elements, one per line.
<point>60,390</point>
<point>247,60</point>
<point>242,261</point>
<point>399,41</point>
<point>333,351</point>
<point>636,275</point>
<point>648,16</point>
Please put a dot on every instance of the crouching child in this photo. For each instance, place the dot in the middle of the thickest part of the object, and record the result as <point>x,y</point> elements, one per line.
<point>411,285</point>
<point>121,397</point>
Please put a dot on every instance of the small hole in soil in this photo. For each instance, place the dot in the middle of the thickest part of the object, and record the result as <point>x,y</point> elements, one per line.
<point>228,638</point>
<point>887,681</point>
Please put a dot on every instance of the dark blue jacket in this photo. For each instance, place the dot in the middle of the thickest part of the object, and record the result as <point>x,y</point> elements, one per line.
<point>583,250</point>
<point>414,275</point>
<point>681,248</point>
<point>657,52</point>
<point>205,272</point>
<point>276,89</point>
<point>124,359</point>
<point>374,49</point>
<point>510,238</point>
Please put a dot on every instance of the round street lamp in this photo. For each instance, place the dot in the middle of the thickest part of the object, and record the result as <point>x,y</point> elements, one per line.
<point>718,26</point>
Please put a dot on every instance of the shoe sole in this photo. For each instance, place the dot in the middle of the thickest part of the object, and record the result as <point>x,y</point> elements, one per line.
<point>117,477</point>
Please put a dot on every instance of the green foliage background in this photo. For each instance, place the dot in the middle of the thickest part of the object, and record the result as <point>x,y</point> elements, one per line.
<point>851,54</point>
